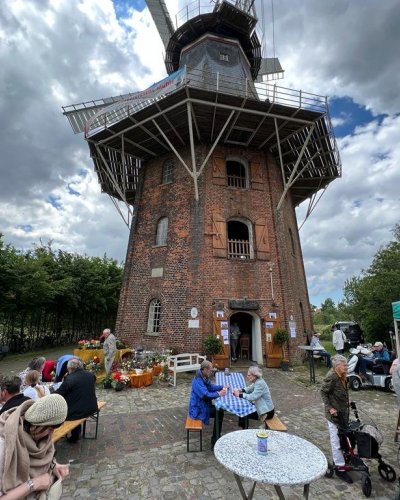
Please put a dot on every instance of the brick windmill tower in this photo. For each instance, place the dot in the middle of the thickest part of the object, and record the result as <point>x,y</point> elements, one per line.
<point>211,163</point>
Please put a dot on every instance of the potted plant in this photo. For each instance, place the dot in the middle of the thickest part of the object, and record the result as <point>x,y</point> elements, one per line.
<point>107,381</point>
<point>119,381</point>
<point>212,345</point>
<point>281,338</point>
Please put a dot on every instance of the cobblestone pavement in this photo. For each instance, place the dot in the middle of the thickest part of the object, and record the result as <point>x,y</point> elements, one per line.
<point>141,452</point>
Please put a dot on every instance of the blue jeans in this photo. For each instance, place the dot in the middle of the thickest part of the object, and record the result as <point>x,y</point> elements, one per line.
<point>327,357</point>
<point>364,364</point>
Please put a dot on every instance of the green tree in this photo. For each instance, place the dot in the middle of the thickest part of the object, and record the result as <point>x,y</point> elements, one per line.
<point>328,313</point>
<point>49,296</point>
<point>368,298</point>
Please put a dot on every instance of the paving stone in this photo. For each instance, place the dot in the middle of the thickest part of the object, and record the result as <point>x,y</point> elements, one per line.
<point>141,452</point>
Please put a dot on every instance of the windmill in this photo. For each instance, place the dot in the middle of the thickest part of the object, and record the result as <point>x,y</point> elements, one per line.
<point>211,163</point>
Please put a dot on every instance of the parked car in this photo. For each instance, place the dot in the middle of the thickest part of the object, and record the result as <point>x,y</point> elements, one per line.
<point>352,331</point>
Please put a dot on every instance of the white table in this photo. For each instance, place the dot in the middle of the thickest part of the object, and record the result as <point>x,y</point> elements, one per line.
<point>290,460</point>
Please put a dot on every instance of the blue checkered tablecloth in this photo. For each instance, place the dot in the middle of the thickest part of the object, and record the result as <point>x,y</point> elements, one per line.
<point>231,403</point>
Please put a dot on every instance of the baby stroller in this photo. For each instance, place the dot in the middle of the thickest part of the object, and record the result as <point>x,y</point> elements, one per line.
<point>360,441</point>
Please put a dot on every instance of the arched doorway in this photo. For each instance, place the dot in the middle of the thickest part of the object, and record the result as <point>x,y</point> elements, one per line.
<point>250,326</point>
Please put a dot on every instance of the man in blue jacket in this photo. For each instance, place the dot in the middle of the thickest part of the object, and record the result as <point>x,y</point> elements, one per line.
<point>379,354</point>
<point>201,396</point>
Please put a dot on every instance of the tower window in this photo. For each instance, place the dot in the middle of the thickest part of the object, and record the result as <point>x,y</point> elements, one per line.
<point>223,56</point>
<point>239,240</point>
<point>167,171</point>
<point>236,174</point>
<point>153,322</point>
<point>162,231</point>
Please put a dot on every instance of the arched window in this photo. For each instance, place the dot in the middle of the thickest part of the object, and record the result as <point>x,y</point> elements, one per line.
<point>162,230</point>
<point>240,239</point>
<point>167,171</point>
<point>153,321</point>
<point>236,174</point>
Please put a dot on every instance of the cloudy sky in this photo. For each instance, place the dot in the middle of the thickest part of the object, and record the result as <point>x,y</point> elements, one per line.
<point>60,52</point>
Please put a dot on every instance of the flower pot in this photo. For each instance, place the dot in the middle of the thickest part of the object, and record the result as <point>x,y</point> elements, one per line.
<point>119,386</point>
<point>139,371</point>
<point>107,385</point>
<point>285,366</point>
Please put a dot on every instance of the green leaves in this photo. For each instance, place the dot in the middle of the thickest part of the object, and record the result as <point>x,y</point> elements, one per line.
<point>46,293</point>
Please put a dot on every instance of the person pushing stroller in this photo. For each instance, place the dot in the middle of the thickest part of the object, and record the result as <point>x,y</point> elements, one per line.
<point>335,396</point>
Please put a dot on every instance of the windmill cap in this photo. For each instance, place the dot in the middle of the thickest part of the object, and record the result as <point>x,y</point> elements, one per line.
<point>378,344</point>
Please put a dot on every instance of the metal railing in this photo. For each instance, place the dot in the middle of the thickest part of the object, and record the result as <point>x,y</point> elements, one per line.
<point>220,83</point>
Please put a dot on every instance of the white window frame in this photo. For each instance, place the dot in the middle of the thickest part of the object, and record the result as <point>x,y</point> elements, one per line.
<point>154,317</point>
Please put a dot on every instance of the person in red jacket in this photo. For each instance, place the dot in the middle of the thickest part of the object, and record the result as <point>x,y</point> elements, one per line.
<point>49,367</point>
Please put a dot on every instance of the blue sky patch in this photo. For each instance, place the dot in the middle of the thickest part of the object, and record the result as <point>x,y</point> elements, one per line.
<point>347,115</point>
<point>122,6</point>
<point>55,201</point>
<point>25,227</point>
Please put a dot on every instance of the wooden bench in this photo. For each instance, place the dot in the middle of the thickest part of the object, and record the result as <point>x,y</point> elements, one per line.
<point>275,424</point>
<point>193,426</point>
<point>69,425</point>
<point>184,363</point>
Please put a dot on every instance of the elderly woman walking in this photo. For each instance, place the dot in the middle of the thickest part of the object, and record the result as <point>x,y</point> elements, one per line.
<point>335,395</point>
<point>258,393</point>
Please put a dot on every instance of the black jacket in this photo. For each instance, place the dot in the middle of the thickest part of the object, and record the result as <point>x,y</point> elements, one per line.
<point>79,390</point>
<point>335,394</point>
<point>14,401</point>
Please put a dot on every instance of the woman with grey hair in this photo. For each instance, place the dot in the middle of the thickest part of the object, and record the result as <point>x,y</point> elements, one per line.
<point>335,395</point>
<point>36,364</point>
<point>258,393</point>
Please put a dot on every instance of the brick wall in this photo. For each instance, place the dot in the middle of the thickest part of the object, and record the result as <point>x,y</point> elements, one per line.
<point>192,275</point>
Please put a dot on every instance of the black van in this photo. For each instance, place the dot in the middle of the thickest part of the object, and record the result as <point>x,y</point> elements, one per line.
<point>352,331</point>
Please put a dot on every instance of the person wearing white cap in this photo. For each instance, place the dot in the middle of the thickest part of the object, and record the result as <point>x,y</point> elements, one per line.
<point>379,353</point>
<point>27,449</point>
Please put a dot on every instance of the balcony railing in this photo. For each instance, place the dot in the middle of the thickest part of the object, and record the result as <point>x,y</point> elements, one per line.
<point>237,181</point>
<point>239,249</point>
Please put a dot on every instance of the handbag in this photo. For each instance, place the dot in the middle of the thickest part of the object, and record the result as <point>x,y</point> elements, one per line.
<point>55,490</point>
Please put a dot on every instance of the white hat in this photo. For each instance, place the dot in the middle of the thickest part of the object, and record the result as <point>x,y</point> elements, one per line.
<point>378,344</point>
<point>49,410</point>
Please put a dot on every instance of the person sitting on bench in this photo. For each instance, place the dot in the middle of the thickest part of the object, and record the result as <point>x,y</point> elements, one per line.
<point>79,390</point>
<point>201,396</point>
<point>315,344</point>
<point>258,393</point>
<point>10,394</point>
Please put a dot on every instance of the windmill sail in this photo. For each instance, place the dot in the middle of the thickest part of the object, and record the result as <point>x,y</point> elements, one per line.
<point>161,18</point>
